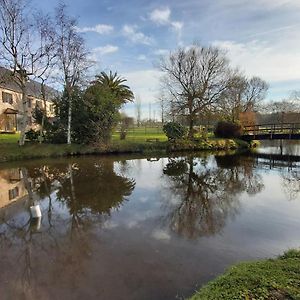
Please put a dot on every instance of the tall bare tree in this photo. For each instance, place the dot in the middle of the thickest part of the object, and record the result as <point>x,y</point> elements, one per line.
<point>47,61</point>
<point>23,47</point>
<point>254,93</point>
<point>72,57</point>
<point>195,79</point>
<point>162,100</point>
<point>138,107</point>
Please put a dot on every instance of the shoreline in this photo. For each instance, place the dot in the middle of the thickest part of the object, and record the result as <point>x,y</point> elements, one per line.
<point>12,152</point>
<point>276,278</point>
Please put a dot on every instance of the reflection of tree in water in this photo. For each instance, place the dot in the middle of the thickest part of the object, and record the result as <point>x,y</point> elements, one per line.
<point>206,193</point>
<point>291,183</point>
<point>88,191</point>
<point>88,186</point>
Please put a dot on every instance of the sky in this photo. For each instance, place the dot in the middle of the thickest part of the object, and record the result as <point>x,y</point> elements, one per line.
<point>261,37</point>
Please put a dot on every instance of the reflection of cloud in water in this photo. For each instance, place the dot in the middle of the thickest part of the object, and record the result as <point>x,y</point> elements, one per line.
<point>143,199</point>
<point>110,224</point>
<point>132,224</point>
<point>161,235</point>
<point>135,220</point>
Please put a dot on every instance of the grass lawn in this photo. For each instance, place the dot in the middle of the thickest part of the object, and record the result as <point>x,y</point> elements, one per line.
<point>137,141</point>
<point>9,138</point>
<point>134,143</point>
<point>268,279</point>
<point>141,134</point>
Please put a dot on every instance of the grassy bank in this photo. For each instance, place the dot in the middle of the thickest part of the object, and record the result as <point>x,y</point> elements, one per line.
<point>139,143</point>
<point>268,279</point>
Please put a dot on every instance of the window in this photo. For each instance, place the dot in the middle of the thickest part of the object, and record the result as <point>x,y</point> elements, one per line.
<point>13,193</point>
<point>7,98</point>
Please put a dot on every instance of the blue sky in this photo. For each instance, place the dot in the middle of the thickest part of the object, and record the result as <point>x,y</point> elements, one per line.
<point>262,37</point>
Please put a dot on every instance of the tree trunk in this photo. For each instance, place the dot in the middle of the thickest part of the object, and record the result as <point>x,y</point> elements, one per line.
<point>69,119</point>
<point>24,118</point>
<point>44,113</point>
<point>191,128</point>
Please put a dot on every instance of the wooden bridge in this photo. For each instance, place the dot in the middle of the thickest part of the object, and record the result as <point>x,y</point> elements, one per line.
<point>282,131</point>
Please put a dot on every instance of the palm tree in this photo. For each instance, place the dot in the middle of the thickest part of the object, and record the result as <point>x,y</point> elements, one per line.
<point>114,83</point>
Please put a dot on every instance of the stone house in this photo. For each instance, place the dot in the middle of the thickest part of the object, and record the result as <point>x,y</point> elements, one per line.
<point>11,102</point>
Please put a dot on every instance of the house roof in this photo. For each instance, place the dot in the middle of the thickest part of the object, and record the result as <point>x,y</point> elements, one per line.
<point>33,87</point>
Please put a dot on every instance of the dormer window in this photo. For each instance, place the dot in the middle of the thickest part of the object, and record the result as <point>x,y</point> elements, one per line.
<point>7,98</point>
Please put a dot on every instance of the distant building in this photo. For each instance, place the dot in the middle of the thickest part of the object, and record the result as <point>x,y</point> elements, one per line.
<point>11,102</point>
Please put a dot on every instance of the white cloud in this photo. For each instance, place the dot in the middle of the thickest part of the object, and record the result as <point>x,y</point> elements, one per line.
<point>177,26</point>
<point>144,83</point>
<point>108,49</point>
<point>131,32</point>
<point>163,17</point>
<point>274,61</point>
<point>99,28</point>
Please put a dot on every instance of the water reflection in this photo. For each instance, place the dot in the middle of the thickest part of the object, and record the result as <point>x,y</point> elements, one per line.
<point>114,228</point>
<point>12,186</point>
<point>291,183</point>
<point>206,194</point>
<point>71,195</point>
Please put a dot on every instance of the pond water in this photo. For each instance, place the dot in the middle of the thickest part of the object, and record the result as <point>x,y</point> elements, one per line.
<point>138,228</point>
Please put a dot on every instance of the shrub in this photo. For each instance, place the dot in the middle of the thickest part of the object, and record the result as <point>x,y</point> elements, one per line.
<point>228,130</point>
<point>32,135</point>
<point>174,130</point>
<point>56,135</point>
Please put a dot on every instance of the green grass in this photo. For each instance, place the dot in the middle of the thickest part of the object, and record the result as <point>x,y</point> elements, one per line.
<point>268,279</point>
<point>135,142</point>
<point>9,138</point>
<point>141,134</point>
<point>11,151</point>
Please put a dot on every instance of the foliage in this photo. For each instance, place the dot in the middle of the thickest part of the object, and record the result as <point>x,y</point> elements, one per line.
<point>174,130</point>
<point>114,83</point>
<point>228,130</point>
<point>209,144</point>
<point>95,111</point>
<point>269,279</point>
<point>103,113</point>
<point>32,135</point>
<point>57,131</point>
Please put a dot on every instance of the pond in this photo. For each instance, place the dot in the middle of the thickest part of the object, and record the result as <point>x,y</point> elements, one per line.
<point>141,228</point>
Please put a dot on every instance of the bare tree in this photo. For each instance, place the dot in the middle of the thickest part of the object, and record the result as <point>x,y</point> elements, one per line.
<point>72,58</point>
<point>47,62</point>
<point>163,104</point>
<point>242,95</point>
<point>23,47</point>
<point>195,79</point>
<point>138,107</point>
<point>254,93</point>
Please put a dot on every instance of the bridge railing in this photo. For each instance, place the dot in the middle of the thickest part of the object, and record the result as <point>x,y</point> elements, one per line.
<point>287,128</point>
